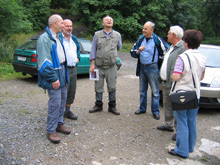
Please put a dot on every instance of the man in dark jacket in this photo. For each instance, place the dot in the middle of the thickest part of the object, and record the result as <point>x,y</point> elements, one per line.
<point>148,49</point>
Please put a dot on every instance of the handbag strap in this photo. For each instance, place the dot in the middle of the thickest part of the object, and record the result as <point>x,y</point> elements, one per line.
<point>191,70</point>
<point>192,75</point>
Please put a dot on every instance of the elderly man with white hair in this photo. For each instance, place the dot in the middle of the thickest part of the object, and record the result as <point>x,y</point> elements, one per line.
<point>174,36</point>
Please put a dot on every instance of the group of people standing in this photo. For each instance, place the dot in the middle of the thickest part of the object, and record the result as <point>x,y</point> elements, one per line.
<point>58,53</point>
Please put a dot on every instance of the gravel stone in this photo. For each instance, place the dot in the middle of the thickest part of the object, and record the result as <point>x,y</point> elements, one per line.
<point>100,138</point>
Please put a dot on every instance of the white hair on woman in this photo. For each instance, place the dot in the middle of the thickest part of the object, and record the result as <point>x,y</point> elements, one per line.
<point>177,30</point>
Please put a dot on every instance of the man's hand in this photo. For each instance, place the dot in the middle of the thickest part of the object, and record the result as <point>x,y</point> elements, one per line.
<point>92,67</point>
<point>141,48</point>
<point>56,84</point>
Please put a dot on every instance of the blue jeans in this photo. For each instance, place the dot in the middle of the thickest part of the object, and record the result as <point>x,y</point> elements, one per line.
<point>149,75</point>
<point>186,131</point>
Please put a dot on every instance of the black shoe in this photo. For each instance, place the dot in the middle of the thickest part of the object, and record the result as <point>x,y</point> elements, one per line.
<point>113,110</point>
<point>156,116</point>
<point>138,112</point>
<point>70,115</point>
<point>174,137</point>
<point>96,108</point>
<point>163,128</point>
<point>172,152</point>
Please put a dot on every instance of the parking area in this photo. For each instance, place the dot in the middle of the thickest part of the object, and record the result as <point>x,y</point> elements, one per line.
<point>100,138</point>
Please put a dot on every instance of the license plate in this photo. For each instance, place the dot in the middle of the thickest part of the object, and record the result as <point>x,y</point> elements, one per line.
<point>21,58</point>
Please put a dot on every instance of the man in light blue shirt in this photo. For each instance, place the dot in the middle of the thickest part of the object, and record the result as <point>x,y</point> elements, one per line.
<point>147,49</point>
<point>72,49</point>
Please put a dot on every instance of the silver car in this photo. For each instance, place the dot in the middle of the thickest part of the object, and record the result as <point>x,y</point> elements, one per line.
<point>210,85</point>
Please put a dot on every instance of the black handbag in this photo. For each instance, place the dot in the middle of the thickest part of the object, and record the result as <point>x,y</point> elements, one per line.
<point>182,99</point>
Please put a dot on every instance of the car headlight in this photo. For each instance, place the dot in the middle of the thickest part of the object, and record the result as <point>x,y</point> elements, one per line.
<point>215,82</point>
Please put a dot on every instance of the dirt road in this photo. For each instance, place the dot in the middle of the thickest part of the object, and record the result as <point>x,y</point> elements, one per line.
<point>100,138</point>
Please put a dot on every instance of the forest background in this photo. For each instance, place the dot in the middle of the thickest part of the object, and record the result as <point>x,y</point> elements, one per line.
<point>21,19</point>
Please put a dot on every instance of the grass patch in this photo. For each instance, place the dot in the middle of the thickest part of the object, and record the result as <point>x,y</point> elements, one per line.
<point>7,72</point>
<point>205,159</point>
<point>10,94</point>
<point>22,37</point>
<point>7,46</point>
<point>126,46</point>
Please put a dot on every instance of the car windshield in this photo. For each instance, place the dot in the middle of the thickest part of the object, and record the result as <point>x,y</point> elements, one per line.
<point>212,55</point>
<point>87,47</point>
<point>30,45</point>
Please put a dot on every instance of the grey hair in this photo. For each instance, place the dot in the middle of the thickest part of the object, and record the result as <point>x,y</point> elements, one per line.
<point>67,20</point>
<point>53,18</point>
<point>151,24</point>
<point>177,30</point>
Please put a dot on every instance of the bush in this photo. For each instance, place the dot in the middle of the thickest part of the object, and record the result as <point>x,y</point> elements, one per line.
<point>38,12</point>
<point>211,40</point>
<point>59,11</point>
<point>9,44</point>
<point>6,49</point>
<point>12,18</point>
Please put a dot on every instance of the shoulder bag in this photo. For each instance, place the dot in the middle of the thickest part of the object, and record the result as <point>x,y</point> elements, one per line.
<point>182,99</point>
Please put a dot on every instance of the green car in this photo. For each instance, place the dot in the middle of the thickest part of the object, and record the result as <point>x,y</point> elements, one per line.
<point>25,58</point>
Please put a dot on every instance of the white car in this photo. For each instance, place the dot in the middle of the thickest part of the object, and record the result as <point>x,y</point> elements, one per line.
<point>210,85</point>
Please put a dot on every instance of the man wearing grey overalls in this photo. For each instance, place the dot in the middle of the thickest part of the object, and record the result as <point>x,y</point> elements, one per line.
<point>104,57</point>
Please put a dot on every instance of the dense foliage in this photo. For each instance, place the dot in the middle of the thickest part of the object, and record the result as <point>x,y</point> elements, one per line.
<point>129,16</point>
<point>20,16</point>
<point>38,12</point>
<point>23,16</point>
<point>13,18</point>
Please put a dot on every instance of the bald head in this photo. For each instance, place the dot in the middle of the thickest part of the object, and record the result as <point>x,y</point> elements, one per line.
<point>53,18</point>
<point>55,23</point>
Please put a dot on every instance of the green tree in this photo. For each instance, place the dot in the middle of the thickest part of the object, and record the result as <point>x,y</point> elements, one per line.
<point>56,4</point>
<point>12,18</point>
<point>37,12</point>
<point>183,13</point>
<point>129,16</point>
<point>212,15</point>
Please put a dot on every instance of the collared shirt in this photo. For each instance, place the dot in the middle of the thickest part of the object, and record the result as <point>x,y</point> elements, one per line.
<point>163,70</point>
<point>70,48</point>
<point>146,56</point>
<point>94,45</point>
<point>60,51</point>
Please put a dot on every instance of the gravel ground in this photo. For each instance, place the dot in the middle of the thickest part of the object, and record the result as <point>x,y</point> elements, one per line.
<point>97,139</point>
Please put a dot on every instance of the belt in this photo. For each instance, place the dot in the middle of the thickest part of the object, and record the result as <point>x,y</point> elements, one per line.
<point>71,66</point>
<point>62,63</point>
